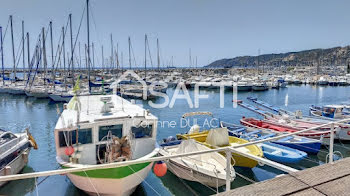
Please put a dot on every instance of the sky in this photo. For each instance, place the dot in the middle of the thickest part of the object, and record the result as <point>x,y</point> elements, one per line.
<point>211,29</point>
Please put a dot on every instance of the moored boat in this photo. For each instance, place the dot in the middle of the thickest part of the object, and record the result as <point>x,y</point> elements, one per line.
<point>208,168</point>
<point>219,137</point>
<point>101,129</point>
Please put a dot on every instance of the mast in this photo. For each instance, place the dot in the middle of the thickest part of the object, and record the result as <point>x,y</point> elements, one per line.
<point>129,52</point>
<point>103,63</point>
<point>44,56</point>
<point>79,57</point>
<point>190,59</point>
<point>71,48</point>
<point>158,58</point>
<point>88,40</point>
<point>145,56</point>
<point>23,51</point>
<point>28,55</point>
<point>117,58</point>
<point>53,74</point>
<point>2,57</point>
<point>64,59</point>
<point>93,55</point>
<point>112,59</point>
<point>13,51</point>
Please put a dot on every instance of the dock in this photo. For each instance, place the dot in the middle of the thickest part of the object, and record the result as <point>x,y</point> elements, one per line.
<point>327,179</point>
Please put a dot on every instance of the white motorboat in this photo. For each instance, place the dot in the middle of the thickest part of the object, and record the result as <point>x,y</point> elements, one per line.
<point>14,150</point>
<point>208,168</point>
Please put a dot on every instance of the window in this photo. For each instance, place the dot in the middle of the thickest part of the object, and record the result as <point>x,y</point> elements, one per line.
<point>69,137</point>
<point>117,130</point>
<point>142,131</point>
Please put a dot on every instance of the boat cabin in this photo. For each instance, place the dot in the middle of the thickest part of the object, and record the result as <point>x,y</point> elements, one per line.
<point>90,124</point>
<point>332,111</point>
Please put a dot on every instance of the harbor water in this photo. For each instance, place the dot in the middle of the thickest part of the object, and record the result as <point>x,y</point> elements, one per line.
<point>40,115</point>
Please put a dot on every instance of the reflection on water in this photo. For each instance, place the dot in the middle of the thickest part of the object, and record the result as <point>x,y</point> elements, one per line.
<point>19,112</point>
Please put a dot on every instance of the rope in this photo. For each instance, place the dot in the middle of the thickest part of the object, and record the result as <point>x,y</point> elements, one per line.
<point>8,22</point>
<point>144,181</point>
<point>92,184</point>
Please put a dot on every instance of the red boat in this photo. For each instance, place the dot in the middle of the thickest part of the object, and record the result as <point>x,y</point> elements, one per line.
<point>290,127</point>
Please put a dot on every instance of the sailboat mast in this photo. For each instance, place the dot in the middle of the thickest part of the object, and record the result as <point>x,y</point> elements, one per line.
<point>129,52</point>
<point>53,74</point>
<point>71,48</point>
<point>13,50</point>
<point>44,56</point>
<point>190,59</point>
<point>23,51</point>
<point>28,54</point>
<point>158,58</point>
<point>103,63</point>
<point>145,56</point>
<point>64,59</point>
<point>88,40</point>
<point>2,58</point>
<point>112,59</point>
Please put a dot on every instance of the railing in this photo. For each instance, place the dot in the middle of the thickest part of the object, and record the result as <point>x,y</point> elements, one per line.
<point>227,150</point>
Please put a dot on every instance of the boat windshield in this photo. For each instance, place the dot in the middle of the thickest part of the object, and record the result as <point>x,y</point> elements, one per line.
<point>142,131</point>
<point>6,137</point>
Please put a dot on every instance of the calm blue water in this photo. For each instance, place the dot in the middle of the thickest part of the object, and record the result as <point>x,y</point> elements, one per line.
<point>19,112</point>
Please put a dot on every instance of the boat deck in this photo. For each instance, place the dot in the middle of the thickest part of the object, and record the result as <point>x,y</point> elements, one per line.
<point>327,179</point>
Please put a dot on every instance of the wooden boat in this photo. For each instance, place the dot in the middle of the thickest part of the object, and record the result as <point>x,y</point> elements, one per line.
<point>208,169</point>
<point>210,139</point>
<point>272,151</point>
<point>330,111</point>
<point>304,144</point>
<point>103,129</point>
<point>286,127</point>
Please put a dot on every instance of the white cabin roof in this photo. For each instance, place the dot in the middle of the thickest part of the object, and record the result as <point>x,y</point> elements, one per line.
<point>334,106</point>
<point>91,107</point>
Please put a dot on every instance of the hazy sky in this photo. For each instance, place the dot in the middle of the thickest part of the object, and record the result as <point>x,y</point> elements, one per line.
<point>213,29</point>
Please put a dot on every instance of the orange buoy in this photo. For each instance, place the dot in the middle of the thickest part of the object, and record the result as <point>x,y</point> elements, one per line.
<point>69,150</point>
<point>160,169</point>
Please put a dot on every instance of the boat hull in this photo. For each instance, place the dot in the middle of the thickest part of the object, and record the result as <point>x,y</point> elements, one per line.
<point>113,181</point>
<point>16,165</point>
<point>309,147</point>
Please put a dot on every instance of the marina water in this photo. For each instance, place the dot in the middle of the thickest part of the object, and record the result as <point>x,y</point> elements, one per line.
<point>40,115</point>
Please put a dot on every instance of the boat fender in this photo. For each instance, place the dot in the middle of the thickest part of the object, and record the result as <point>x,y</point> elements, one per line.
<point>160,169</point>
<point>69,150</point>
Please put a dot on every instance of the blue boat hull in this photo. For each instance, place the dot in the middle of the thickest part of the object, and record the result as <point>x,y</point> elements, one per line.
<point>286,154</point>
<point>312,148</point>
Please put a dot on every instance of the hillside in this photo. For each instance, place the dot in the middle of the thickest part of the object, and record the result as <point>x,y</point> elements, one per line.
<point>338,56</point>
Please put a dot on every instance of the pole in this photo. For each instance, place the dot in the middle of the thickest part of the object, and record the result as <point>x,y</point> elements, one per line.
<point>2,58</point>
<point>228,170</point>
<point>71,48</point>
<point>93,54</point>
<point>28,52</point>
<point>53,74</point>
<point>88,41</point>
<point>44,56</point>
<point>158,54</point>
<point>112,59</point>
<point>145,56</point>
<point>129,52</point>
<point>13,52</point>
<point>103,63</point>
<point>23,50</point>
<point>331,142</point>
<point>64,59</point>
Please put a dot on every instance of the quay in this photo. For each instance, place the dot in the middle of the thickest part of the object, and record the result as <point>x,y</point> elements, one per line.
<point>327,179</point>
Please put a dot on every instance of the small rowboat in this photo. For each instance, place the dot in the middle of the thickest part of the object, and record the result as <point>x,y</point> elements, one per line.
<point>272,151</point>
<point>286,127</point>
<point>208,168</point>
<point>219,137</point>
<point>304,144</point>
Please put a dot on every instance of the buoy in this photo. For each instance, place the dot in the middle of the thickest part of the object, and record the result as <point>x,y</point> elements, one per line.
<point>160,169</point>
<point>69,150</point>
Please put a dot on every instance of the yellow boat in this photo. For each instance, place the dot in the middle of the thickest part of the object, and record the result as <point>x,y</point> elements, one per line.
<point>206,138</point>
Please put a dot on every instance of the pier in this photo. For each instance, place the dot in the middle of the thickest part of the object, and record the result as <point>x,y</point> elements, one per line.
<point>327,179</point>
